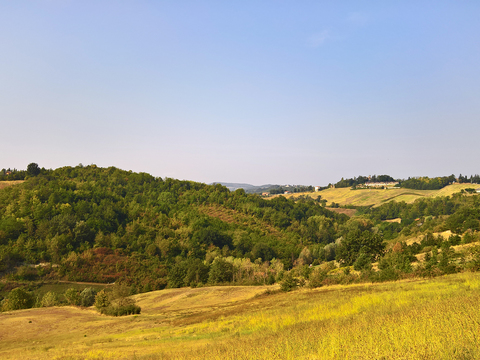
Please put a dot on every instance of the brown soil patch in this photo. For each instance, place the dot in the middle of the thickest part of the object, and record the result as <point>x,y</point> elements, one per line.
<point>236,217</point>
<point>348,212</point>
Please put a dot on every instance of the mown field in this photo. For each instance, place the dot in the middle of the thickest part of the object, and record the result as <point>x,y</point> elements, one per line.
<point>416,319</point>
<point>377,197</point>
<point>4,184</point>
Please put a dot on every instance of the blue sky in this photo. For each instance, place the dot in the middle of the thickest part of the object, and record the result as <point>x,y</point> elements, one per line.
<point>247,91</point>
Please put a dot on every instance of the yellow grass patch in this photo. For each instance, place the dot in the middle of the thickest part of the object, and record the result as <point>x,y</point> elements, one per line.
<point>4,184</point>
<point>377,197</point>
<point>427,319</point>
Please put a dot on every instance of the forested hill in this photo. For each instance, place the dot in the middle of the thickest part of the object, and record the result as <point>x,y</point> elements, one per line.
<point>105,224</point>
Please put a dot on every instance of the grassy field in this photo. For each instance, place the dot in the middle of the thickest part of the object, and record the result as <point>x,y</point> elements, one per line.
<point>367,197</point>
<point>4,184</point>
<point>417,319</point>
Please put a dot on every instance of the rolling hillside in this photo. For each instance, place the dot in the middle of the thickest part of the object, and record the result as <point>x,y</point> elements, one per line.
<point>368,197</point>
<point>428,319</point>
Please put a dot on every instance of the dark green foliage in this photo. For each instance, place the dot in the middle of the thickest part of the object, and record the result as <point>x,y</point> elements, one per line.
<point>72,297</point>
<point>362,180</point>
<point>358,239</point>
<point>17,299</point>
<point>130,309</point>
<point>426,183</point>
<point>446,264</point>
<point>87,297</point>
<point>316,278</point>
<point>363,262</point>
<point>197,273</point>
<point>221,271</point>
<point>177,275</point>
<point>116,301</point>
<point>33,169</point>
<point>288,283</point>
<point>262,251</point>
<point>102,300</point>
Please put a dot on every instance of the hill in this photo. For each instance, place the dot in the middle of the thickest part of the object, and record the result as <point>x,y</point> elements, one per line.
<point>377,197</point>
<point>428,319</point>
<point>91,224</point>
<point>106,224</point>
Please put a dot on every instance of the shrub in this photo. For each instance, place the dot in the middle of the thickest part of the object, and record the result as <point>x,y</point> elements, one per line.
<point>270,280</point>
<point>316,278</point>
<point>72,296</point>
<point>49,299</point>
<point>116,301</point>
<point>87,297</point>
<point>17,299</point>
<point>131,309</point>
<point>101,300</point>
<point>288,283</point>
<point>363,262</point>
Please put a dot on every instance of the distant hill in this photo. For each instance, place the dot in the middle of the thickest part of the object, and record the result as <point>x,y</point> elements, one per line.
<point>251,189</point>
<point>377,197</point>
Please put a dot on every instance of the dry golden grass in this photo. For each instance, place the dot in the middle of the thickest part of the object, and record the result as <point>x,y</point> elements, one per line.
<point>4,184</point>
<point>348,212</point>
<point>416,319</point>
<point>377,197</point>
<point>418,239</point>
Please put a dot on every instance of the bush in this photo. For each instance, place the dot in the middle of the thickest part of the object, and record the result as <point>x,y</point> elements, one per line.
<point>288,283</point>
<point>72,296</point>
<point>87,297</point>
<point>131,309</point>
<point>316,278</point>
<point>49,299</point>
<point>101,300</point>
<point>116,301</point>
<point>17,299</point>
<point>363,262</point>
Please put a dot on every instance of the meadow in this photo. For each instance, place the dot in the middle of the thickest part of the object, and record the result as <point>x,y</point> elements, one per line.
<point>410,319</point>
<point>4,184</point>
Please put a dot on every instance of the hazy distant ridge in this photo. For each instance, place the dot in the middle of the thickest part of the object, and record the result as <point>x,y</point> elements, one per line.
<point>247,187</point>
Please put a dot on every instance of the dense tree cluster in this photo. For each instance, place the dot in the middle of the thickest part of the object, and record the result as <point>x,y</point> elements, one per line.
<point>362,180</point>
<point>291,189</point>
<point>105,224</point>
<point>13,174</point>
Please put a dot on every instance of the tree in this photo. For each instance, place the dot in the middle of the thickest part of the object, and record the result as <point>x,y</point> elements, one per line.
<point>49,299</point>
<point>87,297</point>
<point>221,271</point>
<point>101,300</point>
<point>288,283</point>
<point>72,296</point>
<point>33,169</point>
<point>356,242</point>
<point>17,299</point>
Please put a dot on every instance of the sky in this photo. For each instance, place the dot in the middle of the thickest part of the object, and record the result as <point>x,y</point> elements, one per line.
<point>258,92</point>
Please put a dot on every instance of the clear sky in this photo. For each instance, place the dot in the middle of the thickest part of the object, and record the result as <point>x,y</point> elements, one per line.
<point>298,92</point>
